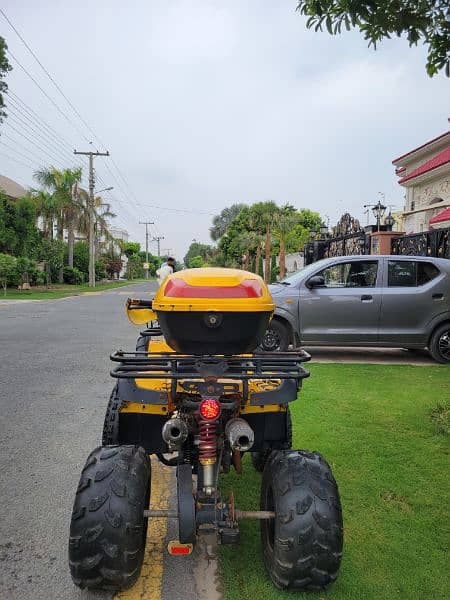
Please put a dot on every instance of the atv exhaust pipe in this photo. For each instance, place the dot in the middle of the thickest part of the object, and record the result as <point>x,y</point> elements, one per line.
<point>174,433</point>
<point>239,434</point>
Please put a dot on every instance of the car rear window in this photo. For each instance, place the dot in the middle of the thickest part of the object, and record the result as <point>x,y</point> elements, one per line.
<point>410,273</point>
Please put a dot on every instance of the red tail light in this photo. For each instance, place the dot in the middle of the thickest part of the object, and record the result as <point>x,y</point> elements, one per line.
<point>176,548</point>
<point>177,288</point>
<point>209,409</point>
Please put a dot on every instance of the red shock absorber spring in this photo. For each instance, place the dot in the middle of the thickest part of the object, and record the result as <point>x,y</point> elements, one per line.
<point>207,442</point>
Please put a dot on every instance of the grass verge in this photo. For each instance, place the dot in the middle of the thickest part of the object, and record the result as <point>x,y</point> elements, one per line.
<point>373,425</point>
<point>63,290</point>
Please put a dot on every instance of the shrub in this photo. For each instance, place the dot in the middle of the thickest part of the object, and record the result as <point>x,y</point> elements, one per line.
<point>73,276</point>
<point>8,270</point>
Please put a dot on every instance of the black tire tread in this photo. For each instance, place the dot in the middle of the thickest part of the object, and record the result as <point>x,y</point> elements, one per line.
<point>308,533</point>
<point>108,529</point>
<point>110,434</point>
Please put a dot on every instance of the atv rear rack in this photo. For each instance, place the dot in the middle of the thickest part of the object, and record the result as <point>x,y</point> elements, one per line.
<point>171,365</point>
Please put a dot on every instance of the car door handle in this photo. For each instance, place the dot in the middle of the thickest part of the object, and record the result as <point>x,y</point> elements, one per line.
<point>437,296</point>
<point>366,298</point>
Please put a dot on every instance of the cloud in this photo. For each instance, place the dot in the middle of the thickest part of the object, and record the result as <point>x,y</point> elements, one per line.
<point>203,104</point>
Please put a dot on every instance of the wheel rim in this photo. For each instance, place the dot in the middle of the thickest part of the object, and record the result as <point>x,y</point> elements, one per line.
<point>271,341</point>
<point>444,345</point>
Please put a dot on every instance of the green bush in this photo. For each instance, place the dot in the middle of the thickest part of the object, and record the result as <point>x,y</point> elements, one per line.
<point>100,270</point>
<point>41,278</point>
<point>8,270</point>
<point>73,276</point>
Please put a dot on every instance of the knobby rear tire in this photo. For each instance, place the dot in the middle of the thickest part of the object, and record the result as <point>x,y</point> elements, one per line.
<point>108,529</point>
<point>302,545</point>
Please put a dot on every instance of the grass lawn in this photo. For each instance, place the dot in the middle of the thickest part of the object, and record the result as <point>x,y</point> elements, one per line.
<point>61,290</point>
<point>372,423</point>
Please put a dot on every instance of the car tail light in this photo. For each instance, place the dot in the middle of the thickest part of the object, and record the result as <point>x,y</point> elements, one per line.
<point>209,409</point>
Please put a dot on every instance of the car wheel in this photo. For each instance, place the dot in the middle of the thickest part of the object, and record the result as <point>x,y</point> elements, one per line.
<point>276,338</point>
<point>440,344</point>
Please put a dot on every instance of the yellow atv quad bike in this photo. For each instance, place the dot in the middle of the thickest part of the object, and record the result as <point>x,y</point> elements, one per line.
<point>198,401</point>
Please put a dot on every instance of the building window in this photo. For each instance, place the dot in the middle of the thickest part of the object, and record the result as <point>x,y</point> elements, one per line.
<point>413,205</point>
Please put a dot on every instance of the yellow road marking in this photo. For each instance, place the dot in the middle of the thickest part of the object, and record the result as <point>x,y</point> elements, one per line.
<point>149,584</point>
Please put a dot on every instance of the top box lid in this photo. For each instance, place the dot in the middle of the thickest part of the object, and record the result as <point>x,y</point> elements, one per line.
<point>213,289</point>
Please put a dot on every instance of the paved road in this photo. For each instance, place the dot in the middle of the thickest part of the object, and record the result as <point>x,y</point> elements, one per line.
<point>54,374</point>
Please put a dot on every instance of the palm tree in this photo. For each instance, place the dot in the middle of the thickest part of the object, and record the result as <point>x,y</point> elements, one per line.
<point>222,221</point>
<point>64,186</point>
<point>101,222</point>
<point>46,209</point>
<point>265,214</point>
<point>287,219</point>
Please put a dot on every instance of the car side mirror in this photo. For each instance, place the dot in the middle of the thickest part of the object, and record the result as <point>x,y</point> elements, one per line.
<point>315,282</point>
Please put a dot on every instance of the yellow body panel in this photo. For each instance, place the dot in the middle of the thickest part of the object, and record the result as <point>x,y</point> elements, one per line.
<point>216,278</point>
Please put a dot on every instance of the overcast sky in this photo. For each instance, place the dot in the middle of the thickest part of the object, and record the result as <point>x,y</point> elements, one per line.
<point>205,103</point>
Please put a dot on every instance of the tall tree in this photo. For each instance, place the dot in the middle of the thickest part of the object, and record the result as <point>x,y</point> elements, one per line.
<point>287,218</point>
<point>266,213</point>
<point>4,68</point>
<point>222,221</point>
<point>46,209</point>
<point>64,187</point>
<point>420,20</point>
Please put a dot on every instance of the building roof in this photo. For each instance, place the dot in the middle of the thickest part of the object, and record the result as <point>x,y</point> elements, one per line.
<point>422,147</point>
<point>11,188</point>
<point>442,216</point>
<point>440,159</point>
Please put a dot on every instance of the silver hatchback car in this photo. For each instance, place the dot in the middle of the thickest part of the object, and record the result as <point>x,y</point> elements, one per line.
<point>385,301</point>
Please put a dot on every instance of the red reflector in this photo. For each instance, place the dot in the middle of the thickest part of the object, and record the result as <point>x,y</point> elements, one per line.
<point>209,409</point>
<point>176,548</point>
<point>177,288</point>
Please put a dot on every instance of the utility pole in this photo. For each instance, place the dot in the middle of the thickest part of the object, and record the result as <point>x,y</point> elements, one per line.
<point>158,239</point>
<point>91,212</point>
<point>146,223</point>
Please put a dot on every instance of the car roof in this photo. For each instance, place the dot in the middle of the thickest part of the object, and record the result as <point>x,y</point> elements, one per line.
<point>444,263</point>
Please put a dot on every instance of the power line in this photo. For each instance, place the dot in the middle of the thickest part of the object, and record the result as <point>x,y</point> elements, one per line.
<point>182,210</point>
<point>47,96</point>
<point>22,104</point>
<point>35,156</point>
<point>129,191</point>
<point>19,162</point>
<point>69,102</point>
<point>27,46</point>
<point>16,151</point>
<point>23,118</point>
<point>34,143</point>
<point>35,134</point>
